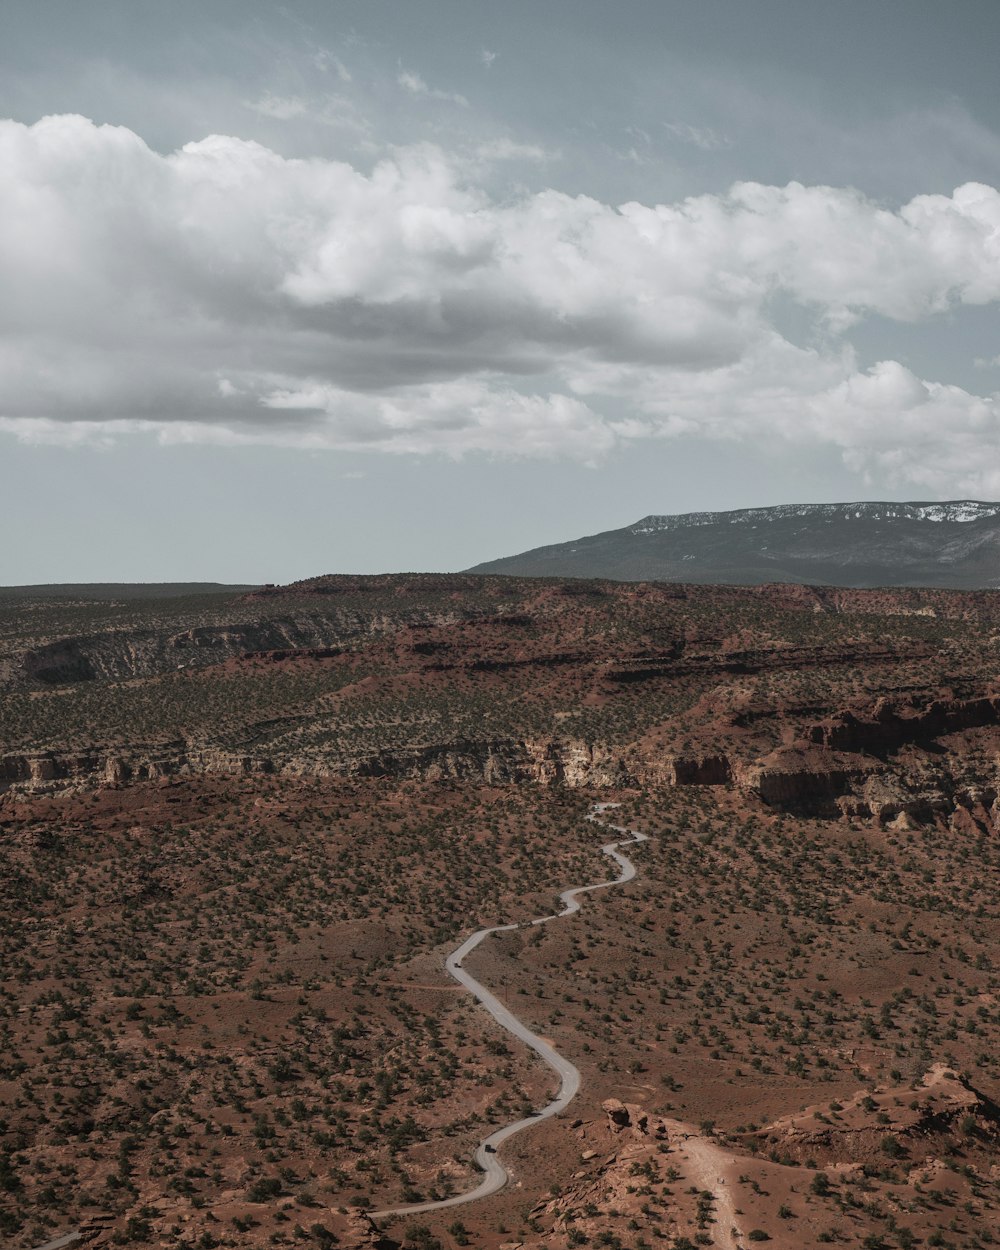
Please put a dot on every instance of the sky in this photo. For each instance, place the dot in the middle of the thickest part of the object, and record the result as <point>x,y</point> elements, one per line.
<point>314,286</point>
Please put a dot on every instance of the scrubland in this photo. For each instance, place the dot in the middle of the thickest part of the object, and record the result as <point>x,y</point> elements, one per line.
<point>238,837</point>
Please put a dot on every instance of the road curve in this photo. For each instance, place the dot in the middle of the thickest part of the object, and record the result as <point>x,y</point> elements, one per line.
<point>67,1239</point>
<point>495,1174</point>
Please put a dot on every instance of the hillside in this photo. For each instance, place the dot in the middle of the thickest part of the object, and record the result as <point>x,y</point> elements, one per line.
<point>953,544</point>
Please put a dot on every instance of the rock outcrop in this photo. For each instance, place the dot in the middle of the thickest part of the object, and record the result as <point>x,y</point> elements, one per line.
<point>60,770</point>
<point>623,1115</point>
<point>803,777</point>
<point>700,770</point>
<point>945,1104</point>
<point>491,762</point>
<point>891,725</point>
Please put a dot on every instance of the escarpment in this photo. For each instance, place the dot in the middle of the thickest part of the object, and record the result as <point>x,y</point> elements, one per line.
<point>889,726</point>
<point>125,655</point>
<point>917,756</point>
<point>872,705</point>
<point>496,762</point>
<point>55,770</point>
<point>951,774</point>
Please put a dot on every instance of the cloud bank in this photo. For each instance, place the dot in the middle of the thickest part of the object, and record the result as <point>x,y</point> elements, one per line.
<point>224,293</point>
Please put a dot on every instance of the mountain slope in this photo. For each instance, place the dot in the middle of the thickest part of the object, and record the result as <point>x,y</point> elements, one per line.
<point>953,544</point>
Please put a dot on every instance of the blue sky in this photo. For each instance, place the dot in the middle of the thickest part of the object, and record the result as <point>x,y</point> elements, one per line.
<point>307,287</point>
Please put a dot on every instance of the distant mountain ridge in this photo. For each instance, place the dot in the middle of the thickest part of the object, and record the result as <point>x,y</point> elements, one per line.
<point>950,543</point>
<point>958,510</point>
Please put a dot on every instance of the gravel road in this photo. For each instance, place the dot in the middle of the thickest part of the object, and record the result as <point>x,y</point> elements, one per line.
<point>495,1174</point>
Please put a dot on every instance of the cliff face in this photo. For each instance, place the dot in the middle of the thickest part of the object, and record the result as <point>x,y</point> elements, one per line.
<point>55,770</point>
<point>911,758</point>
<point>548,762</point>
<point>125,655</point>
<point>821,700</point>
<point>922,760</point>
<point>889,727</point>
<point>574,763</point>
<point>957,781</point>
<point>800,778</point>
<point>700,770</point>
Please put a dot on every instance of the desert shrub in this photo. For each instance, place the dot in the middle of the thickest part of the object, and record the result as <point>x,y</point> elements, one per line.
<point>264,1189</point>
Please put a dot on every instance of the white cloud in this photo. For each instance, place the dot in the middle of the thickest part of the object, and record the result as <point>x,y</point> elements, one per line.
<point>223,293</point>
<point>487,57</point>
<point>325,61</point>
<point>458,416</point>
<point>415,85</point>
<point>282,108</point>
<point>703,137</point>
<point>337,111</point>
<point>510,150</point>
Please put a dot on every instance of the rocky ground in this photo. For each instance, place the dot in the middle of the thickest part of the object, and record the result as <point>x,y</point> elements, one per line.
<point>232,869</point>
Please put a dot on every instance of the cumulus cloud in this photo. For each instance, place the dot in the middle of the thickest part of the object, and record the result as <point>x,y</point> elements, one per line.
<point>888,424</point>
<point>225,293</point>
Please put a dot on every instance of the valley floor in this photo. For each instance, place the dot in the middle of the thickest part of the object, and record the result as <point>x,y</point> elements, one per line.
<point>226,1019</point>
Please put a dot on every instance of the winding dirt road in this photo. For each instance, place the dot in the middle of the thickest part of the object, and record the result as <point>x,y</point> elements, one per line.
<point>495,1174</point>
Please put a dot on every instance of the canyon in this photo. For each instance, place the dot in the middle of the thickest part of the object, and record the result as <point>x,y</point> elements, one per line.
<point>241,832</point>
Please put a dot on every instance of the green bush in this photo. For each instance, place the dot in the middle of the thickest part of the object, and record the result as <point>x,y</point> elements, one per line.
<point>264,1190</point>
